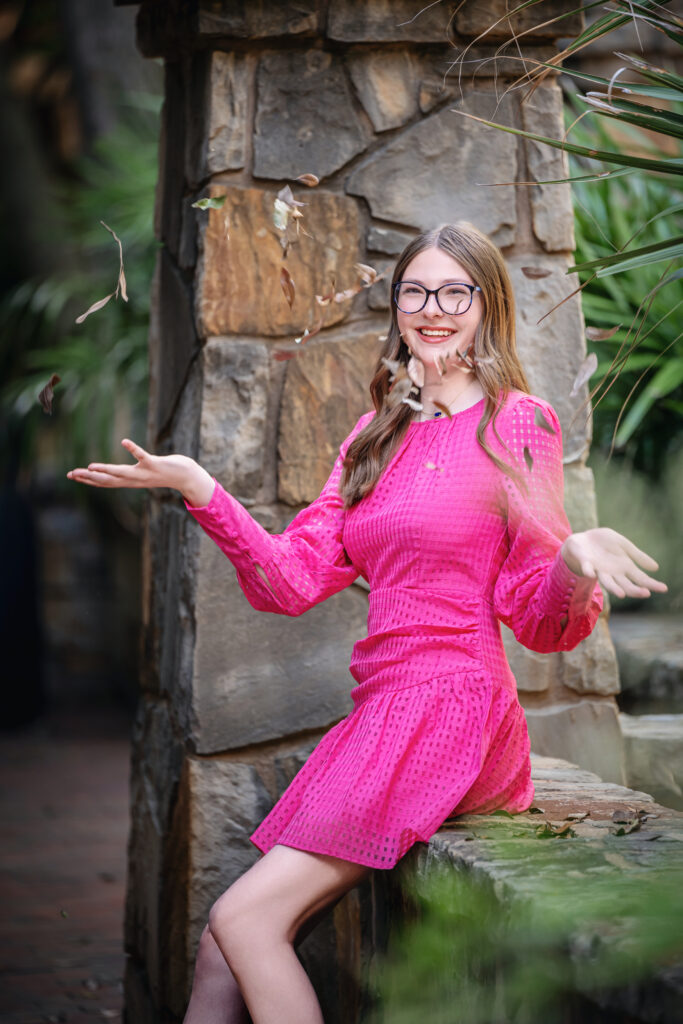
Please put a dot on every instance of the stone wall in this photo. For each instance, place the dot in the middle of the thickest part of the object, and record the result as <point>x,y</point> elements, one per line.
<point>233,700</point>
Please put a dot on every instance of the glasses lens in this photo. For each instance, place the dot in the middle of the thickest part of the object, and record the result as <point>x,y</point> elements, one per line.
<point>454,298</point>
<point>410,298</point>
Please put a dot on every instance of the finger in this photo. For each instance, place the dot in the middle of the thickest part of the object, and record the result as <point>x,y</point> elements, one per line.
<point>609,583</point>
<point>587,569</point>
<point>135,449</point>
<point>639,556</point>
<point>100,479</point>
<point>116,469</point>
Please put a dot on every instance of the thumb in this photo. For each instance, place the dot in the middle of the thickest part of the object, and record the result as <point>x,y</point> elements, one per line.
<point>135,449</point>
<point>588,569</point>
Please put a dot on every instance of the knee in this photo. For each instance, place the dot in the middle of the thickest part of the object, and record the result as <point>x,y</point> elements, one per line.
<point>210,961</point>
<point>226,925</point>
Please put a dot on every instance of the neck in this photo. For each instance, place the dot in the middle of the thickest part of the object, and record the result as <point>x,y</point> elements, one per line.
<point>454,392</point>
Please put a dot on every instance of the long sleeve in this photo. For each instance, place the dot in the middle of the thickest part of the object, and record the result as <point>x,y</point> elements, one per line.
<point>289,572</point>
<point>545,604</point>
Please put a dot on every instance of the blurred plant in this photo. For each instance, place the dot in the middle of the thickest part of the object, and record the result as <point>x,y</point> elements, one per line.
<point>638,308</point>
<point>102,362</point>
<point>647,103</point>
<point>471,957</point>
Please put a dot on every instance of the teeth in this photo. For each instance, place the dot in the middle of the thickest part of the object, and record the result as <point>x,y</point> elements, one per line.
<point>435,334</point>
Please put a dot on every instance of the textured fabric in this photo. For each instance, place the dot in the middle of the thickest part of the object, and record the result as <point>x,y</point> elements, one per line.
<point>449,545</point>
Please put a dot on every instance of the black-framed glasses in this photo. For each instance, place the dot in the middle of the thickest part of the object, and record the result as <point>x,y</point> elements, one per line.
<point>453,298</point>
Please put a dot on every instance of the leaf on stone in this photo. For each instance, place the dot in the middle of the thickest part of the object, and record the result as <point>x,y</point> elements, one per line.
<point>528,458</point>
<point>47,393</point>
<point>536,810</point>
<point>501,813</point>
<point>586,371</point>
<point>443,409</point>
<point>287,285</point>
<point>577,816</point>
<point>554,830</point>
<point>535,272</point>
<point>627,828</point>
<point>601,334</point>
<point>309,179</point>
<point>210,203</point>
<point>541,421</point>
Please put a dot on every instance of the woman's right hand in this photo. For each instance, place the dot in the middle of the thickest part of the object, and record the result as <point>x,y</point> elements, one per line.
<point>177,471</point>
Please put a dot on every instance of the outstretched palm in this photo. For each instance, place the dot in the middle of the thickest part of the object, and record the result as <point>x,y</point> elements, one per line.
<point>613,560</point>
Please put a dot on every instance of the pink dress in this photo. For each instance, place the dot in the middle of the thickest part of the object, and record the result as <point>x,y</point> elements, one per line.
<point>450,546</point>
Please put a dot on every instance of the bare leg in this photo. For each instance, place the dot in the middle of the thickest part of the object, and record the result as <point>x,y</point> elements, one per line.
<point>255,924</point>
<point>215,997</point>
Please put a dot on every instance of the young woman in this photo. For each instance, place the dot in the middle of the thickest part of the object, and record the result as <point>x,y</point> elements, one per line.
<point>448,500</point>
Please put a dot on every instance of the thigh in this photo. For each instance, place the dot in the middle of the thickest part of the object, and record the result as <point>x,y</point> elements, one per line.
<point>286,888</point>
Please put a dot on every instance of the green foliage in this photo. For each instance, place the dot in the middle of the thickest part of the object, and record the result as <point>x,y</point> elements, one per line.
<point>102,362</point>
<point>468,958</point>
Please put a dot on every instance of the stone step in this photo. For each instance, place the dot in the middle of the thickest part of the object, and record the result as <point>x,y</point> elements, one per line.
<point>653,751</point>
<point>649,651</point>
<point>617,833</point>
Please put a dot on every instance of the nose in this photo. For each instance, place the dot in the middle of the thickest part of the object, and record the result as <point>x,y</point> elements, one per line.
<point>432,307</point>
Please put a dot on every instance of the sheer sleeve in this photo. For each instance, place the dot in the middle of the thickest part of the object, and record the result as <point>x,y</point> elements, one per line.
<point>545,604</point>
<point>289,572</point>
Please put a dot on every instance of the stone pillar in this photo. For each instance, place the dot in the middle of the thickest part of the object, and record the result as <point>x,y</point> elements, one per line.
<point>233,700</point>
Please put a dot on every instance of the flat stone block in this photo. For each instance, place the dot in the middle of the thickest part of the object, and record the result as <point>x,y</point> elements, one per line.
<point>586,733</point>
<point>387,241</point>
<point>389,21</point>
<point>551,205</point>
<point>305,120</point>
<point>257,19</point>
<point>221,128</point>
<point>325,392</point>
<point>552,351</point>
<point>435,168</point>
<point>649,648</point>
<point>653,748</point>
<point>236,378</point>
<point>259,677</point>
<point>387,83</point>
<point>238,275</point>
<point>592,666</point>
<point>491,17</point>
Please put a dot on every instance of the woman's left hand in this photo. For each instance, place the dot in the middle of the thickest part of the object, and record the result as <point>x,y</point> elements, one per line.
<point>612,559</point>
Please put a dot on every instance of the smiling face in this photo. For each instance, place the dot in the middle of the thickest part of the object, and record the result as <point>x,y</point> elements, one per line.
<point>431,333</point>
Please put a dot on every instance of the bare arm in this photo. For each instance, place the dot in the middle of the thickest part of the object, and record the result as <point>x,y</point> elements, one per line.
<point>179,472</point>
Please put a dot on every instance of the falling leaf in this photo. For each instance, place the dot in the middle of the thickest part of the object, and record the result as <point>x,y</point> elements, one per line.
<point>210,203</point>
<point>367,273</point>
<point>586,371</point>
<point>47,393</point>
<point>535,272</point>
<point>64,913</point>
<point>280,215</point>
<point>444,409</point>
<point>414,405</point>
<point>601,334</point>
<point>286,195</point>
<point>541,421</point>
<point>431,465</point>
<point>528,458</point>
<point>416,371</point>
<point>309,179</point>
<point>287,285</point>
<point>392,365</point>
<point>120,282</point>
<point>466,357</point>
<point>348,293</point>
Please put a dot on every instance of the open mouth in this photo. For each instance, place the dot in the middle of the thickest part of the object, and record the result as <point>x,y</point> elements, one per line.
<point>435,334</point>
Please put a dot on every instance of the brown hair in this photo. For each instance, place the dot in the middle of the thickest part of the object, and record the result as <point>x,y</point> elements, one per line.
<point>499,370</point>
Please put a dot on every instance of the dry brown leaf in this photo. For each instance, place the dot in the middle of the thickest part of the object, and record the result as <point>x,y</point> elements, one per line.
<point>309,179</point>
<point>95,306</point>
<point>47,393</point>
<point>368,274</point>
<point>444,409</point>
<point>413,403</point>
<point>601,334</point>
<point>535,272</point>
<point>287,285</point>
<point>121,284</point>
<point>528,458</point>
<point>541,421</point>
<point>586,371</point>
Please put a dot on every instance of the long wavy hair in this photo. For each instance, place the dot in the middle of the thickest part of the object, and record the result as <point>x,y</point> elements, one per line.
<point>497,365</point>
